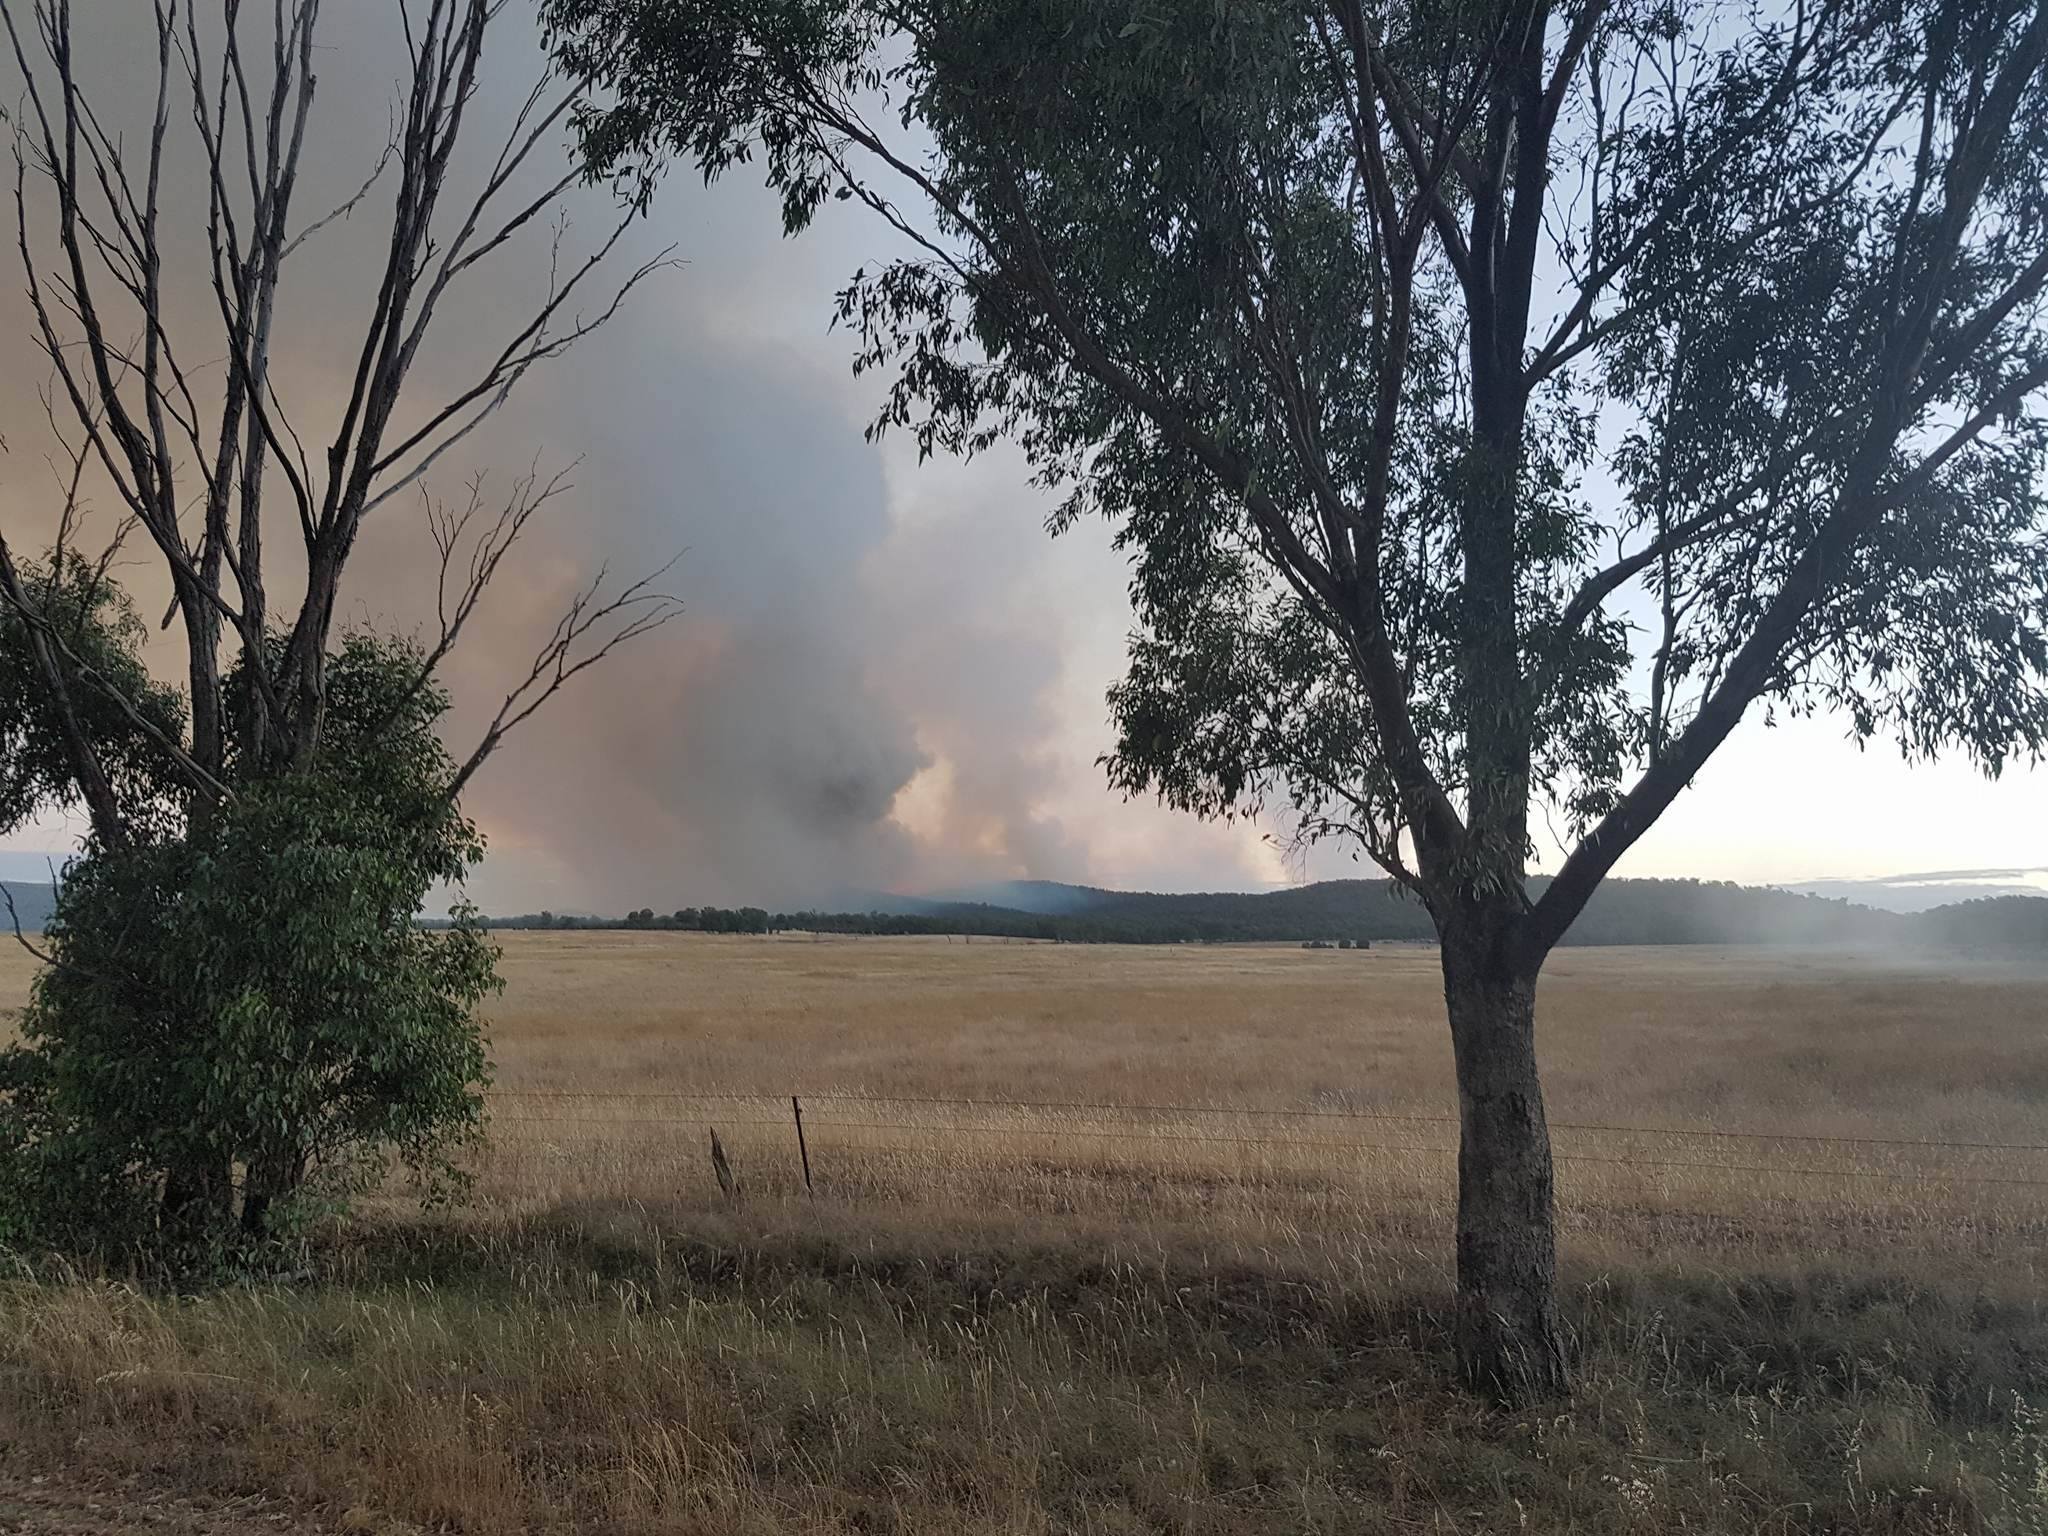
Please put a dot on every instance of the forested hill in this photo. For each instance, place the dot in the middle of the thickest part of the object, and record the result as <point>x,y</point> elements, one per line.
<point>1621,912</point>
<point>32,903</point>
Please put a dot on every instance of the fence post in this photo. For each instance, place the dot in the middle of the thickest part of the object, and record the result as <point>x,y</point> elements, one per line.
<point>796,1108</point>
<point>728,1183</point>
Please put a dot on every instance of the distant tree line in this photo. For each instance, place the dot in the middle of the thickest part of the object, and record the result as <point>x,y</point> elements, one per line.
<point>992,921</point>
<point>1339,912</point>
<point>685,919</point>
<point>2002,922</point>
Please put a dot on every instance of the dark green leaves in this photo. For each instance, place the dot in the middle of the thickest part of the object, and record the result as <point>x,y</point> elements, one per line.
<point>95,620</point>
<point>244,1017</point>
<point>1495,400</point>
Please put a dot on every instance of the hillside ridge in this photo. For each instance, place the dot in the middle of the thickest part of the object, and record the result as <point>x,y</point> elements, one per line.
<point>1627,911</point>
<point>1623,912</point>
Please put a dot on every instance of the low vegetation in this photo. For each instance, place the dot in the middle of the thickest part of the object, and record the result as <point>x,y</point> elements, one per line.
<point>1620,912</point>
<point>242,1023</point>
<point>1061,1317</point>
<point>792,1370</point>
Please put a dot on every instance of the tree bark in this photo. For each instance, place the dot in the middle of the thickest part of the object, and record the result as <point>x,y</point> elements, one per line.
<point>1508,1342</point>
<point>272,1179</point>
<point>198,1199</point>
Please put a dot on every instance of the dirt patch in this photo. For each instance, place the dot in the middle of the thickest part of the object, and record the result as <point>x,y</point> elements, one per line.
<point>38,1504</point>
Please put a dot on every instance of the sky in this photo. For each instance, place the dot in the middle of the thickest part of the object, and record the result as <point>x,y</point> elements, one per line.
<point>887,675</point>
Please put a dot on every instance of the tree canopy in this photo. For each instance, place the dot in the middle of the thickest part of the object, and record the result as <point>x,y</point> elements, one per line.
<point>238,1008</point>
<point>1756,296</point>
<point>1497,399</point>
<point>250,991</point>
<point>93,619</point>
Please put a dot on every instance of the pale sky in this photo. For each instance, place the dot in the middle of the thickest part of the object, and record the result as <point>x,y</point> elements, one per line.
<point>889,676</point>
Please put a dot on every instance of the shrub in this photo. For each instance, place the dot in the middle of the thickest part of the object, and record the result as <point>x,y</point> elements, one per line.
<point>244,1020</point>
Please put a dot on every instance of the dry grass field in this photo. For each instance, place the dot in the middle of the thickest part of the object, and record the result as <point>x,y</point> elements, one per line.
<point>1121,1240</point>
<point>1680,1078</point>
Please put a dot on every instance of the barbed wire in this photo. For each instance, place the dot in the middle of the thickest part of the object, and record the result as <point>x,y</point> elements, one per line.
<point>1927,1177</point>
<point>1256,1111</point>
<point>1575,1209</point>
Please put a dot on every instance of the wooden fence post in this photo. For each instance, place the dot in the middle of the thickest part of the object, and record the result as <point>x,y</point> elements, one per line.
<point>803,1151</point>
<point>728,1183</point>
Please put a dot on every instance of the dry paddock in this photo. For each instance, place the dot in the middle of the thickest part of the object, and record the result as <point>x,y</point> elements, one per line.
<point>1744,1097</point>
<point>1730,1099</point>
<point>1118,1240</point>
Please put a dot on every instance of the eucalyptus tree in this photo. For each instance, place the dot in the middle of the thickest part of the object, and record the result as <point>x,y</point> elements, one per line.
<point>1497,400</point>
<point>285,752</point>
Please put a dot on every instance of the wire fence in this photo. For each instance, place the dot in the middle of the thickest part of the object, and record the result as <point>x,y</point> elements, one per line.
<point>1233,1110</point>
<point>1392,1156</point>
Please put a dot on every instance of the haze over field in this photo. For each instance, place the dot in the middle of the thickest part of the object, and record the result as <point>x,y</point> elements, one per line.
<point>888,677</point>
<point>1044,1308</point>
<point>829,1109</point>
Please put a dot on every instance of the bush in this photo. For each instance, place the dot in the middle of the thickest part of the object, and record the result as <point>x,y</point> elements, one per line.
<point>245,1021</point>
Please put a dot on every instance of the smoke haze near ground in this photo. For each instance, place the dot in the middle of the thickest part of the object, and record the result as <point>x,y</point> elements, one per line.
<point>887,676</point>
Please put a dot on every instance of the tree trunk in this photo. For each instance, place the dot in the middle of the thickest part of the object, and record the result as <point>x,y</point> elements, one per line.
<point>197,1204</point>
<point>1509,1347</point>
<point>273,1179</point>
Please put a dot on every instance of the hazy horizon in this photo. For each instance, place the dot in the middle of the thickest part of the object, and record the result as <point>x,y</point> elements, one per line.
<point>888,676</point>
<point>1911,892</point>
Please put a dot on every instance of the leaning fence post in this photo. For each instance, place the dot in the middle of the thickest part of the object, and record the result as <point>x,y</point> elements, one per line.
<point>728,1183</point>
<point>797,1109</point>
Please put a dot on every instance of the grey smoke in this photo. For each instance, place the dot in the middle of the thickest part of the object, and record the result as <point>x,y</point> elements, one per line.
<point>842,634</point>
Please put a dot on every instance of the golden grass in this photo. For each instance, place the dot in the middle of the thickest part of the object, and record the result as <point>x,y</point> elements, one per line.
<point>790,1370</point>
<point>1305,1087</point>
<point>1742,1038</point>
<point>1225,1316</point>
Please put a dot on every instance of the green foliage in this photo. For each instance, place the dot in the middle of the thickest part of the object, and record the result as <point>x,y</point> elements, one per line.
<point>1833,222</point>
<point>244,1018</point>
<point>1362,453</point>
<point>62,1187</point>
<point>1162,171</point>
<point>97,622</point>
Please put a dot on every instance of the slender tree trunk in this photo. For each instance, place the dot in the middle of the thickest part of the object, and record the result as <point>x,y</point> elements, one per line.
<point>198,1199</point>
<point>202,646</point>
<point>306,660</point>
<point>273,1178</point>
<point>1509,1345</point>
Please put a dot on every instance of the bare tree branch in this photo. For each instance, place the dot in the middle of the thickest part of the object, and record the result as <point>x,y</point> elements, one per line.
<point>593,627</point>
<point>136,405</point>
